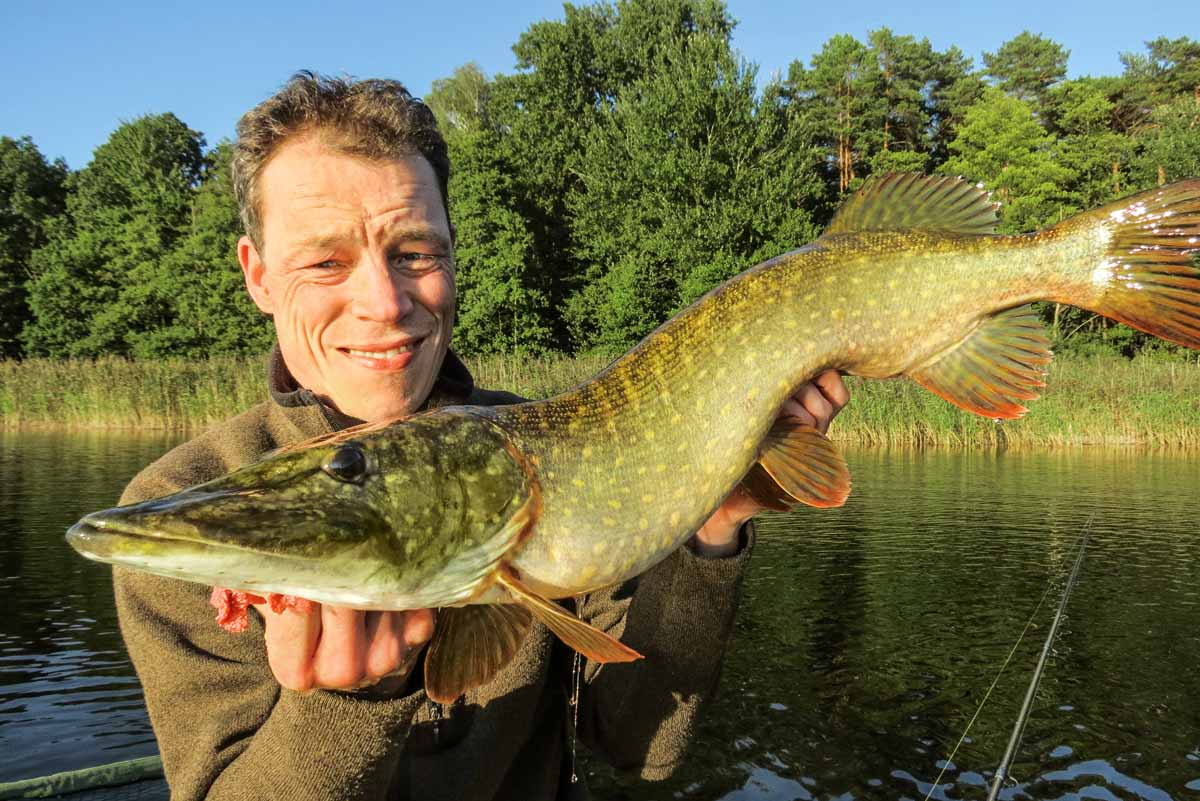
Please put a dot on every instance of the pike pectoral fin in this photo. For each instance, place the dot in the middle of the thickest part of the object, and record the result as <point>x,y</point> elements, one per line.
<point>587,640</point>
<point>470,645</point>
<point>798,465</point>
<point>1000,364</point>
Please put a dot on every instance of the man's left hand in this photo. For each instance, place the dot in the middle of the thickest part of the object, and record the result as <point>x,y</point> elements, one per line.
<point>816,403</point>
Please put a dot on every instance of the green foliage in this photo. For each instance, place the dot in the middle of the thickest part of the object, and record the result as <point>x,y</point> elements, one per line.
<point>627,166</point>
<point>1027,65</point>
<point>98,284</point>
<point>682,187</point>
<point>1170,143</point>
<point>1001,144</point>
<point>210,311</point>
<point>502,304</point>
<point>32,193</point>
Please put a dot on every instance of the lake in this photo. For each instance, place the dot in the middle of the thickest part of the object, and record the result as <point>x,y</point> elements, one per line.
<point>867,637</point>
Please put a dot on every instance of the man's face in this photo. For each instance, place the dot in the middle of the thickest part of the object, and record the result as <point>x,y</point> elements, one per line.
<point>357,270</point>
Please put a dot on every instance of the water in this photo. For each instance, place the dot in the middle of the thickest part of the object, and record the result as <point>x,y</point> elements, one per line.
<point>866,639</point>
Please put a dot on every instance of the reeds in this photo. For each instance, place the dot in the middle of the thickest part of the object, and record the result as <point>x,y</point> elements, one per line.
<point>1093,400</point>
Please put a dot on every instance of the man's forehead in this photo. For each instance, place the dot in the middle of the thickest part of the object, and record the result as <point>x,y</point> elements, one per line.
<point>313,194</point>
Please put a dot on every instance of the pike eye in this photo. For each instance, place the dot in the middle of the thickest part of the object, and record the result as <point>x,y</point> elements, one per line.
<point>347,463</point>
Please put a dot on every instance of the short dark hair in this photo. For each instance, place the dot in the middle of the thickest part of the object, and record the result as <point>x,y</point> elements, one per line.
<point>375,119</point>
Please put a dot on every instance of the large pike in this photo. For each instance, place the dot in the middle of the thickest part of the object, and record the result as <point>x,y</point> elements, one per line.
<point>488,512</point>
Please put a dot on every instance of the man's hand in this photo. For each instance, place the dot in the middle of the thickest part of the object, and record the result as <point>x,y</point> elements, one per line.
<point>816,403</point>
<point>342,649</point>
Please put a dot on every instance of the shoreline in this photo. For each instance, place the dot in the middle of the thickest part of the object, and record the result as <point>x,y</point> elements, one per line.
<point>1099,401</point>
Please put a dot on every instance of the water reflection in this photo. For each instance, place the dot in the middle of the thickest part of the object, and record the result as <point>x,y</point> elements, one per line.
<point>869,635</point>
<point>68,694</point>
<point>867,638</point>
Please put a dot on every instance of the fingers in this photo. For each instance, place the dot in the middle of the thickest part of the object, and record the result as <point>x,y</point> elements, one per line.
<point>817,402</point>
<point>335,648</point>
<point>291,639</point>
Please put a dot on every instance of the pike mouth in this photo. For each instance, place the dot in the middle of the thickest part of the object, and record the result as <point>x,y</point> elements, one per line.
<point>178,557</point>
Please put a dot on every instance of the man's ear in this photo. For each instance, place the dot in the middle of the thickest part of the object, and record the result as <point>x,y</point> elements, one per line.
<point>255,273</point>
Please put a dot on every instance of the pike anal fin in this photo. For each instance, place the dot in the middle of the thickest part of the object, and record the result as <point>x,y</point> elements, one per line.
<point>995,368</point>
<point>798,465</point>
<point>471,644</point>
<point>587,640</point>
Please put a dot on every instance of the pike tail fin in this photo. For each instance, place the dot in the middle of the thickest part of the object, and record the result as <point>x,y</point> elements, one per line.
<point>1150,278</point>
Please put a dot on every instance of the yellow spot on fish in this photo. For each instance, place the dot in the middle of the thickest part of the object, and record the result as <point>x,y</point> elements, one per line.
<point>676,418</point>
<point>752,394</point>
<point>587,451</point>
<point>619,461</point>
<point>789,323</point>
<point>643,523</point>
<point>599,547</point>
<point>586,573</point>
<point>410,546</point>
<point>608,521</point>
<point>675,516</point>
<point>614,503</point>
<point>649,434</point>
<point>662,468</point>
<point>578,482</point>
<point>647,498</point>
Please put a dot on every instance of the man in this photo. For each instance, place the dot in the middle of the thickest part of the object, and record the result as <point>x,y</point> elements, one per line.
<point>348,246</point>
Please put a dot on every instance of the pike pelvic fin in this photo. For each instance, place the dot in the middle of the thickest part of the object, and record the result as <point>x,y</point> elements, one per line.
<point>798,465</point>
<point>904,201</point>
<point>1151,274</point>
<point>587,640</point>
<point>1001,363</point>
<point>471,644</point>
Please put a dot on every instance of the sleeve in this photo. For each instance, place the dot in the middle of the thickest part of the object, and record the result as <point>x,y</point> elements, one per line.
<point>225,728</point>
<point>640,715</point>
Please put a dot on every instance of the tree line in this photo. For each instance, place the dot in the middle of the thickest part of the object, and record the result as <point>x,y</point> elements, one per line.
<point>631,162</point>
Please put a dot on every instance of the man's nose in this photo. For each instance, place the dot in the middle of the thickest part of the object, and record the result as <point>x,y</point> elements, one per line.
<point>380,294</point>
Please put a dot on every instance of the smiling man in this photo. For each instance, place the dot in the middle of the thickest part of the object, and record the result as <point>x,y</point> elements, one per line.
<point>342,189</point>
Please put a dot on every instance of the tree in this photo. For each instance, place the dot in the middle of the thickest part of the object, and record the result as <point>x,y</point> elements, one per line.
<point>460,102</point>
<point>31,193</point>
<point>1027,65</point>
<point>682,187</point>
<point>502,302</point>
<point>905,72</point>
<point>97,283</point>
<point>1001,144</point>
<point>1079,114</point>
<point>1170,143</point>
<point>210,311</point>
<point>845,101</point>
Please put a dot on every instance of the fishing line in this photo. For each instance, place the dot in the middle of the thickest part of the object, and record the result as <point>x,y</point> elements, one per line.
<point>1033,687</point>
<point>987,695</point>
<point>1023,717</point>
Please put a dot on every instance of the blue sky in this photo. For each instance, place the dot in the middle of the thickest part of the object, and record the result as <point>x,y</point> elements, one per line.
<point>75,70</point>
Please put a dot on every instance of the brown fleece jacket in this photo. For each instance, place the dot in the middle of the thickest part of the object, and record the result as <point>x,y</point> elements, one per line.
<point>227,730</point>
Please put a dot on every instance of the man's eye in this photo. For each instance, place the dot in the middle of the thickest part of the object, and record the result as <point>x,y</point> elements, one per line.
<point>418,261</point>
<point>328,264</point>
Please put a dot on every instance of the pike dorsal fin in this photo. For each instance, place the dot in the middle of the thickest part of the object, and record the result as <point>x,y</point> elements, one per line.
<point>587,640</point>
<point>470,645</point>
<point>1000,364</point>
<point>911,201</point>
<point>798,465</point>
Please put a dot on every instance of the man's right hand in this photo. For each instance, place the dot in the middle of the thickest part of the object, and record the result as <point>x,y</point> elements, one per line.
<point>342,649</point>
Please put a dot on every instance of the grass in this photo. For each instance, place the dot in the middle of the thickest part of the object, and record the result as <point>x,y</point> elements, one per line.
<point>1089,400</point>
